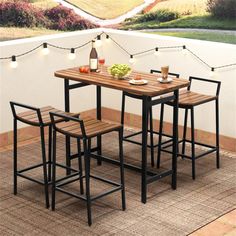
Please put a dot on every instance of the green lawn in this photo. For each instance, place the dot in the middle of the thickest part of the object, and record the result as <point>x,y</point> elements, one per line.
<point>204,22</point>
<point>183,6</point>
<point>215,37</point>
<point>106,9</point>
<point>10,33</point>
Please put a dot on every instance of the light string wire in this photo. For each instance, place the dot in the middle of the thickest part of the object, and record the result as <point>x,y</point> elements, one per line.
<point>121,47</point>
<point>172,47</point>
<point>200,58</point>
<point>22,54</point>
<point>51,45</point>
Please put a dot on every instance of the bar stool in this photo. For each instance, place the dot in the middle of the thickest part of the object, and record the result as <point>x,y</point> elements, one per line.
<point>127,137</point>
<point>84,130</point>
<point>38,117</point>
<point>188,100</point>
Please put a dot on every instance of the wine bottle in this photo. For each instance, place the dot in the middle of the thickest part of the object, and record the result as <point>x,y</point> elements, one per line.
<point>93,58</point>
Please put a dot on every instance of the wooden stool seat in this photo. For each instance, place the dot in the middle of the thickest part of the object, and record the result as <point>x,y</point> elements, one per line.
<point>92,127</point>
<point>189,99</point>
<point>31,116</point>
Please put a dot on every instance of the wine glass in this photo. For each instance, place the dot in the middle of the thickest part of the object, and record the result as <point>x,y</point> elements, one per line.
<point>101,62</point>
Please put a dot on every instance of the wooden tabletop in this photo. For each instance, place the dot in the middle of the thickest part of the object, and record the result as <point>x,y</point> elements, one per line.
<point>152,88</point>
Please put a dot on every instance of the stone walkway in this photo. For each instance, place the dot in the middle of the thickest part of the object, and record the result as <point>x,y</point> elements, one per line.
<point>101,22</point>
<point>231,32</point>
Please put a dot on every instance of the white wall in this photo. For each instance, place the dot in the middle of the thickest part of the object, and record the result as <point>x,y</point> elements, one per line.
<point>33,81</point>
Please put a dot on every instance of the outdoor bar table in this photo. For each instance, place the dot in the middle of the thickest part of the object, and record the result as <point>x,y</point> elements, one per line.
<point>149,91</point>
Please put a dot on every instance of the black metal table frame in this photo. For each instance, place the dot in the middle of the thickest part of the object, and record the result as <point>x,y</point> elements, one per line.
<point>146,103</point>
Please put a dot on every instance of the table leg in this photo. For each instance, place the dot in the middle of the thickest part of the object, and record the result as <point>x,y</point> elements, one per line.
<point>67,109</point>
<point>175,139</point>
<point>99,117</point>
<point>145,106</point>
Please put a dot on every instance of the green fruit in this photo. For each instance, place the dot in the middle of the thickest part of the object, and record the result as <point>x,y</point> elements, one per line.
<point>119,70</point>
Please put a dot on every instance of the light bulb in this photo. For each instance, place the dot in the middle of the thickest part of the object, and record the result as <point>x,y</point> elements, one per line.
<point>157,52</point>
<point>131,60</point>
<point>72,54</point>
<point>212,73</point>
<point>108,38</point>
<point>45,50</point>
<point>14,63</point>
<point>184,50</point>
<point>98,41</point>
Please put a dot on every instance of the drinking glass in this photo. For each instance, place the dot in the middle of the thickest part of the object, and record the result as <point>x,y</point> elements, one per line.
<point>164,72</point>
<point>101,62</point>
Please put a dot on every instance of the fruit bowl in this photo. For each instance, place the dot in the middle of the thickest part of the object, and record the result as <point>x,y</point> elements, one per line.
<point>119,71</point>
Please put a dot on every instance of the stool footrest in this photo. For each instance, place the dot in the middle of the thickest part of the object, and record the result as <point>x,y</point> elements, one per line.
<point>159,176</point>
<point>211,147</point>
<point>168,141</point>
<point>19,173</point>
<point>200,144</point>
<point>105,180</point>
<point>127,138</point>
<point>71,194</point>
<point>73,156</point>
<point>67,177</point>
<point>30,178</point>
<point>67,182</point>
<point>106,193</point>
<point>31,167</point>
<point>59,185</point>
<point>66,167</point>
<point>206,153</point>
<point>92,198</point>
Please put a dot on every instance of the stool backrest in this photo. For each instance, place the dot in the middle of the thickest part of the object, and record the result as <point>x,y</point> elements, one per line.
<point>218,83</point>
<point>159,72</point>
<point>15,105</point>
<point>66,118</point>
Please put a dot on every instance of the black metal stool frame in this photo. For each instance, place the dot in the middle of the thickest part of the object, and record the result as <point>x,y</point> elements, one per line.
<point>193,156</point>
<point>46,164</point>
<point>150,130</point>
<point>56,185</point>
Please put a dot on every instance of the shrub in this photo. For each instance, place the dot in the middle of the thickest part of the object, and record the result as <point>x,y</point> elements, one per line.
<point>161,16</point>
<point>222,8</point>
<point>21,14</point>
<point>63,18</point>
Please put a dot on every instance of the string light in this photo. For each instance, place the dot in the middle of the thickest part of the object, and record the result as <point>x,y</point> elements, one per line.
<point>72,54</point>
<point>131,60</point>
<point>184,50</point>
<point>14,63</point>
<point>212,72</point>
<point>98,41</point>
<point>108,38</point>
<point>45,50</point>
<point>157,52</point>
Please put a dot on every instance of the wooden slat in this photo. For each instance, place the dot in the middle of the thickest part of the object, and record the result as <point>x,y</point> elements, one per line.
<point>192,98</point>
<point>31,116</point>
<point>31,112</point>
<point>92,127</point>
<point>189,98</point>
<point>153,88</point>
